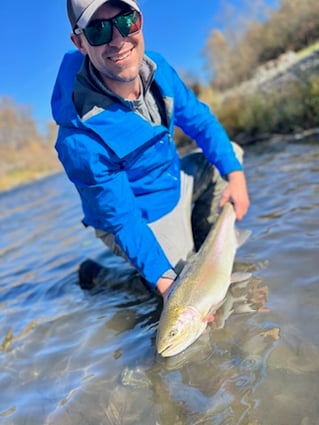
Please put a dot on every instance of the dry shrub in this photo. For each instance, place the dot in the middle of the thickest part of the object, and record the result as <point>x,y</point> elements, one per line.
<point>234,54</point>
<point>311,100</point>
<point>25,153</point>
<point>291,108</point>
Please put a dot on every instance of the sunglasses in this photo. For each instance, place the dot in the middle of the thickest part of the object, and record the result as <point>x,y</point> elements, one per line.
<point>100,31</point>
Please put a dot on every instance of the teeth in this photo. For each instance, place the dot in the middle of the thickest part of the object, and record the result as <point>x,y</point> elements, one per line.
<point>119,58</point>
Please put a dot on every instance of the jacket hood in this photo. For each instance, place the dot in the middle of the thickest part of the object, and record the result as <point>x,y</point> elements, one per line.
<point>62,107</point>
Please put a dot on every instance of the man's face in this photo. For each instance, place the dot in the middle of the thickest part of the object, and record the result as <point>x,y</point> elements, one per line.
<point>118,61</point>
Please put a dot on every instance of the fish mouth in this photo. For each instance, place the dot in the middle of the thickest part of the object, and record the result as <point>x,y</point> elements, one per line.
<point>171,350</point>
<point>166,351</point>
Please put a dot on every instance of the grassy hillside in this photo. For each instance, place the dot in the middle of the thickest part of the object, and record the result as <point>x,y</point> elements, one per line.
<point>280,98</point>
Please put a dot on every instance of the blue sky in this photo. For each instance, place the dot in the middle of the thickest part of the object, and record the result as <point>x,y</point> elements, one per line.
<point>34,38</point>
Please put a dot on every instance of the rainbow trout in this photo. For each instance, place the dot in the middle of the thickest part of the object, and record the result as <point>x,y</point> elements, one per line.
<point>202,286</point>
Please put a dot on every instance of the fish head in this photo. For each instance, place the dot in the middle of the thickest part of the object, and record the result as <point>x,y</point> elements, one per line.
<point>178,330</point>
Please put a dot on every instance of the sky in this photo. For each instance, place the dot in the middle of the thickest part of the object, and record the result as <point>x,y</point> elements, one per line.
<point>34,39</point>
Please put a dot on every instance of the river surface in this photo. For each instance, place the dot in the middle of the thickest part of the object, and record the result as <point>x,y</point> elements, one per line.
<point>75,357</point>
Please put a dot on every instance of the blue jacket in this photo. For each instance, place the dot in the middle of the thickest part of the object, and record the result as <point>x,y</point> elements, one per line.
<point>126,169</point>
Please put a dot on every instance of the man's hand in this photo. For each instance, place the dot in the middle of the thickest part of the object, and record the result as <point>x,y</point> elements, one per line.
<point>163,285</point>
<point>236,193</point>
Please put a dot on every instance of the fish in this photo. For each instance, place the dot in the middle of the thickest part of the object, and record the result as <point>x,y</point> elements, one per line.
<point>200,290</point>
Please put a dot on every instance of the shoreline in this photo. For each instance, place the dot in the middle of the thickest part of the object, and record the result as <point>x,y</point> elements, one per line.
<point>31,179</point>
<point>300,136</point>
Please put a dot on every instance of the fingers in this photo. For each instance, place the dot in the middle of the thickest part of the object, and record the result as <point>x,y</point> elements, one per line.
<point>224,198</point>
<point>240,206</point>
<point>241,209</point>
<point>236,193</point>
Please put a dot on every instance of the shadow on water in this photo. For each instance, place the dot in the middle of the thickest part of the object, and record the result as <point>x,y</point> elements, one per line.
<point>73,356</point>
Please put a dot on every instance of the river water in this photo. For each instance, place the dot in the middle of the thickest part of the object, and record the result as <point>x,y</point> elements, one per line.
<point>71,356</point>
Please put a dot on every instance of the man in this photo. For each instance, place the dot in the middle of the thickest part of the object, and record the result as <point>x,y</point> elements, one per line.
<point>117,107</point>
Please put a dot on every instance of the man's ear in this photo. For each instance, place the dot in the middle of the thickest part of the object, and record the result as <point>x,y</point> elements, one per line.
<point>77,41</point>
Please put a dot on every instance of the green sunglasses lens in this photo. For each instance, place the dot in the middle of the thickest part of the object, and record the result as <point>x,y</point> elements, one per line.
<point>101,31</point>
<point>128,23</point>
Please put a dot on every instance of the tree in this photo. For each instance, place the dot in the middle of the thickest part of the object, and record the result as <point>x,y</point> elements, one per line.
<point>17,128</point>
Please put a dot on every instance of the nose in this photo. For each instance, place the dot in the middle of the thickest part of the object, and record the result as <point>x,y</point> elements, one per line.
<point>117,38</point>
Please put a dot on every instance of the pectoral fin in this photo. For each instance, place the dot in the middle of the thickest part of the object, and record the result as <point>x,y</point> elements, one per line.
<point>242,236</point>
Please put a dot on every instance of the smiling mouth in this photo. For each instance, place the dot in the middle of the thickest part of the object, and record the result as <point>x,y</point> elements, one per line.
<point>119,58</point>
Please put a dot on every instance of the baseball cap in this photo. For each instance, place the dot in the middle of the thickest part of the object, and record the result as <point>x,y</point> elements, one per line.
<point>81,11</point>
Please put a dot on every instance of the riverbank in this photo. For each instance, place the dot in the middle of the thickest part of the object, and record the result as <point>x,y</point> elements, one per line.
<point>281,99</point>
<point>298,136</point>
<point>26,164</point>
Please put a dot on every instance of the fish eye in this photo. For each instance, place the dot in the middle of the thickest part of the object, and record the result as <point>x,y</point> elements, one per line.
<point>173,333</point>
